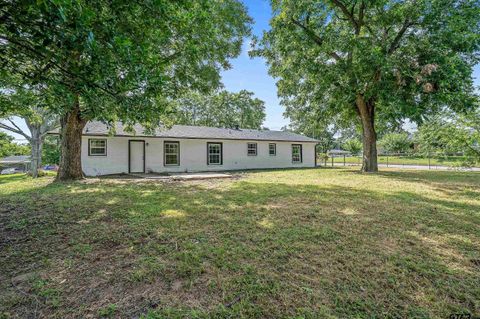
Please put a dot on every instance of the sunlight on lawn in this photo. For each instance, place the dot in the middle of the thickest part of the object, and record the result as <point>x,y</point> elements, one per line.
<point>266,223</point>
<point>172,213</point>
<point>306,242</point>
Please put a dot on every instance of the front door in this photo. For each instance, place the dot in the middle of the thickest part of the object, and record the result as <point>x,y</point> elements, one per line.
<point>136,154</point>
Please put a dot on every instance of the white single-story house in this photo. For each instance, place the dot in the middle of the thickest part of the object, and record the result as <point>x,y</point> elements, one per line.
<point>185,148</point>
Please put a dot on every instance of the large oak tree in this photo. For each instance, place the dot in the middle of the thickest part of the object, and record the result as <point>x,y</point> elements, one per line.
<point>118,60</point>
<point>373,61</point>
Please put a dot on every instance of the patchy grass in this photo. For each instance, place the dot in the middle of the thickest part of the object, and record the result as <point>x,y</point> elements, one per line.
<point>313,243</point>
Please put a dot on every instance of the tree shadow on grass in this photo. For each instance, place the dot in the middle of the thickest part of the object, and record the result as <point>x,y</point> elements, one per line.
<point>438,178</point>
<point>262,249</point>
<point>450,183</point>
<point>12,178</point>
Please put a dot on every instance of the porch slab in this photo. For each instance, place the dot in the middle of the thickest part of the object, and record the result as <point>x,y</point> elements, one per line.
<point>194,176</point>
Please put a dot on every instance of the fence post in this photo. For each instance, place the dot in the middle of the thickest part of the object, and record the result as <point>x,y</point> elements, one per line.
<point>344,164</point>
<point>332,161</point>
<point>387,159</point>
<point>428,154</point>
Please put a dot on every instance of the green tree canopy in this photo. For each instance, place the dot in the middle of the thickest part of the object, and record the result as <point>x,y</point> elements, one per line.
<point>121,60</point>
<point>221,109</point>
<point>8,147</point>
<point>352,145</point>
<point>396,142</point>
<point>373,61</point>
<point>451,134</point>
<point>51,150</point>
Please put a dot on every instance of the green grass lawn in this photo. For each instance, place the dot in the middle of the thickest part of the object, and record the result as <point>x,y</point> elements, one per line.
<point>454,161</point>
<point>312,243</point>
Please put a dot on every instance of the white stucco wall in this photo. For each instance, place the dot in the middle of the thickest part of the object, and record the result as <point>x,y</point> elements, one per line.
<point>193,156</point>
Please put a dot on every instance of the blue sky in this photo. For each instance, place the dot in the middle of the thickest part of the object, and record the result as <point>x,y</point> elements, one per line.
<point>252,74</point>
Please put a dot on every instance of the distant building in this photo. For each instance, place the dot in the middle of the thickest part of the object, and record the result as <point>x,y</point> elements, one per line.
<point>18,161</point>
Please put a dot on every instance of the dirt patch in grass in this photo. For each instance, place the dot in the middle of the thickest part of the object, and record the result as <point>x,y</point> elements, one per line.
<point>283,243</point>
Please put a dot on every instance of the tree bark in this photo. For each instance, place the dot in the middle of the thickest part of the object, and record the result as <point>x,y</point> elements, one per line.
<point>36,144</point>
<point>72,126</point>
<point>366,111</point>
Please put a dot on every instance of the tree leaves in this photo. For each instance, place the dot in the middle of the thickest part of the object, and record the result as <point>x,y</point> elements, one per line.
<point>324,53</point>
<point>126,60</point>
<point>221,109</point>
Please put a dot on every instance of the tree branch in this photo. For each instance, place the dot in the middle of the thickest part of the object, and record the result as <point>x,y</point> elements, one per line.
<point>476,151</point>
<point>314,37</point>
<point>15,130</point>
<point>361,14</point>
<point>62,69</point>
<point>50,125</point>
<point>396,41</point>
<point>15,125</point>
<point>348,14</point>
<point>309,32</point>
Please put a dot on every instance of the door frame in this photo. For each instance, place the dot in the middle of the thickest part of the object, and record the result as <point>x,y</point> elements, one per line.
<point>130,155</point>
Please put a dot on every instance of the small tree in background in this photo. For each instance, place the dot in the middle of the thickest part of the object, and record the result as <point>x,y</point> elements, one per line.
<point>454,134</point>
<point>352,145</point>
<point>31,103</point>
<point>304,120</point>
<point>326,141</point>
<point>39,123</point>
<point>8,147</point>
<point>51,150</point>
<point>221,109</point>
<point>396,142</point>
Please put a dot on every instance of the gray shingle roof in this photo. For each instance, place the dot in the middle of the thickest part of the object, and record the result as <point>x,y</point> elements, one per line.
<point>199,132</point>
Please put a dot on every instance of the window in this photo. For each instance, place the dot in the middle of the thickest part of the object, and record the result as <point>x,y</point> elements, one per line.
<point>214,154</point>
<point>272,149</point>
<point>97,147</point>
<point>296,153</point>
<point>252,149</point>
<point>171,152</point>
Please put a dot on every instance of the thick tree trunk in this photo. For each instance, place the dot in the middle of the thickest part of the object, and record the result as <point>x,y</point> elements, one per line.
<point>72,126</point>
<point>366,111</point>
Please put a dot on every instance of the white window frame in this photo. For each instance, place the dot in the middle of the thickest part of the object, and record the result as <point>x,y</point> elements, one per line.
<point>300,159</point>
<point>220,155</point>
<point>254,148</point>
<point>177,153</point>
<point>274,149</point>
<point>90,147</point>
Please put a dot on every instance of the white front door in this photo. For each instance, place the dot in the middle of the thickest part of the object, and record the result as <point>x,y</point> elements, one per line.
<point>136,156</point>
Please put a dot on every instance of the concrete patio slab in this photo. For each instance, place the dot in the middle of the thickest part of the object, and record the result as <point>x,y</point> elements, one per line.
<point>195,176</point>
<point>183,176</point>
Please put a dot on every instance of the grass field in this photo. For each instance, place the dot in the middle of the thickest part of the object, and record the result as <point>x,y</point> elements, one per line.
<point>312,243</point>
<point>451,161</point>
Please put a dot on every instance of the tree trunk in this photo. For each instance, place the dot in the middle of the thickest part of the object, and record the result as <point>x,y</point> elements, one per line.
<point>366,111</point>
<point>36,145</point>
<point>72,126</point>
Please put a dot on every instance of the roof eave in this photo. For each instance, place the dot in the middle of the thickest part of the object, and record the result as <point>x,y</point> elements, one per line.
<point>191,137</point>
